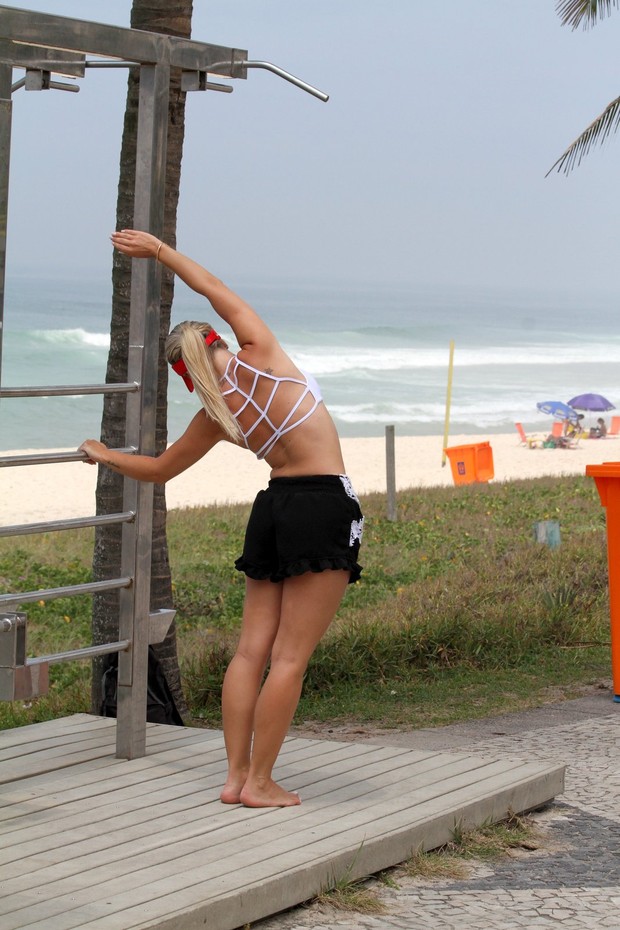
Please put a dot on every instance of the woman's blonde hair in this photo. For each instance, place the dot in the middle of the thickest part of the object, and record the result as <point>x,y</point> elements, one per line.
<point>187,341</point>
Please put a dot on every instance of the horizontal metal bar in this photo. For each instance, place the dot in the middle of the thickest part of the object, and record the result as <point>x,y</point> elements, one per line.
<point>220,88</point>
<point>57,64</point>
<point>72,88</point>
<point>53,85</point>
<point>36,56</point>
<point>50,594</point>
<point>59,32</point>
<point>50,458</point>
<point>59,390</point>
<point>86,653</point>
<point>76,523</point>
<point>111,64</point>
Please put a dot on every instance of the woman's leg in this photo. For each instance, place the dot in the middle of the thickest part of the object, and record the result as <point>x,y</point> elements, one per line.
<point>261,617</point>
<point>309,603</point>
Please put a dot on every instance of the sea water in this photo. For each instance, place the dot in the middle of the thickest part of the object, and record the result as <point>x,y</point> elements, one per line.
<point>380,353</point>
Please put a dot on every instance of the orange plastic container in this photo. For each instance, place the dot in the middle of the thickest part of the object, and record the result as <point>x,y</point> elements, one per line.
<point>471,463</point>
<point>607,478</point>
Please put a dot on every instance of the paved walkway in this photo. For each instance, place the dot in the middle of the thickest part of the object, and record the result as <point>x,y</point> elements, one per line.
<point>572,882</point>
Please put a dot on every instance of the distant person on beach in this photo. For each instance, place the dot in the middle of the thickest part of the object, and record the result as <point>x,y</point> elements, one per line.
<point>572,428</point>
<point>600,430</point>
<point>304,532</point>
<point>557,442</point>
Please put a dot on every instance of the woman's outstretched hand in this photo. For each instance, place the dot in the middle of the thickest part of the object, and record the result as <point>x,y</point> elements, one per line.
<point>135,243</point>
<point>94,450</point>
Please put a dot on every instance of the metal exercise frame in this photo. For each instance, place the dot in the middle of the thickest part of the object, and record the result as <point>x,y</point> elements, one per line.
<point>47,47</point>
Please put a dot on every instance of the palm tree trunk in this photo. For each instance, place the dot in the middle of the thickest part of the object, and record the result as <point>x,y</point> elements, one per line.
<point>172,17</point>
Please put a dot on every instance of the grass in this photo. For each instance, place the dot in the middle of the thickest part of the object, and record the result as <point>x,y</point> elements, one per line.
<point>459,613</point>
<point>453,861</point>
<point>487,843</point>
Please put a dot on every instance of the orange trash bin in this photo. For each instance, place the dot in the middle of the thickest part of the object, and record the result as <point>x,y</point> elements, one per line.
<point>607,479</point>
<point>471,463</point>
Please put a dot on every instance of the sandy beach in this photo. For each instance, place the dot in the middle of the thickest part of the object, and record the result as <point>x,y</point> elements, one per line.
<point>31,493</point>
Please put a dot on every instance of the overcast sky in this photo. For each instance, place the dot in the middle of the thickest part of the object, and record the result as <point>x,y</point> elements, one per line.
<point>427,165</point>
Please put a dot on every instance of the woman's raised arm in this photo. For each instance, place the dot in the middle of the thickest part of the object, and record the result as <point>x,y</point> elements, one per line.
<point>246,324</point>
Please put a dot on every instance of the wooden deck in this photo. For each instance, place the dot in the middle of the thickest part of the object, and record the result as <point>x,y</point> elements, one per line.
<point>91,841</point>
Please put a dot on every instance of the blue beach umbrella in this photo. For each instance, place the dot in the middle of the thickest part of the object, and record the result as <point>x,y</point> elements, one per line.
<point>559,410</point>
<point>594,402</point>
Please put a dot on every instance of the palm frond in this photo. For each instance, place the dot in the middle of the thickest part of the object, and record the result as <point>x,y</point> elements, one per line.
<point>584,12</point>
<point>596,133</point>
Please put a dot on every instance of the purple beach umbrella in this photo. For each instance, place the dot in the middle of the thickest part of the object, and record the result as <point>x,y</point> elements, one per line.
<point>594,402</point>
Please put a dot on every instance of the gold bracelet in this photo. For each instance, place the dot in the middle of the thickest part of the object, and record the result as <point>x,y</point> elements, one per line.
<point>158,251</point>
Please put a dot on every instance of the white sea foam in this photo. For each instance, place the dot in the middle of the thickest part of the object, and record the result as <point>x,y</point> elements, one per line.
<point>76,336</point>
<point>378,361</point>
<point>334,360</point>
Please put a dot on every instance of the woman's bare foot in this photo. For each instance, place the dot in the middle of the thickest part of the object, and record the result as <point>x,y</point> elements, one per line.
<point>231,792</point>
<point>267,793</point>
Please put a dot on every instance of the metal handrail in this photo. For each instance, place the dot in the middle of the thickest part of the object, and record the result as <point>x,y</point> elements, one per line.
<point>75,523</point>
<point>50,458</point>
<point>87,652</point>
<point>50,594</point>
<point>60,390</point>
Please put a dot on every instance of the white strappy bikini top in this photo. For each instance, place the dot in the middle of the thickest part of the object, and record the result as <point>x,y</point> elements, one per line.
<point>309,385</point>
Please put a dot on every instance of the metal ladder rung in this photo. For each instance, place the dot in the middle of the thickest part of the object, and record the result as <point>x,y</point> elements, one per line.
<point>50,594</point>
<point>50,458</point>
<point>59,390</point>
<point>75,523</point>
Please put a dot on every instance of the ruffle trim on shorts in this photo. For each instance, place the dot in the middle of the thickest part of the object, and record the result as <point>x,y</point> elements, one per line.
<point>301,567</point>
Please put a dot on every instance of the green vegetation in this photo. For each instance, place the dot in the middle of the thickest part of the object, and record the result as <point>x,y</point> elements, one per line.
<point>486,843</point>
<point>468,848</point>
<point>459,613</point>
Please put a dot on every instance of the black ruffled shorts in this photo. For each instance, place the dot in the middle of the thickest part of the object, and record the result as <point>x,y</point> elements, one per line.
<point>299,525</point>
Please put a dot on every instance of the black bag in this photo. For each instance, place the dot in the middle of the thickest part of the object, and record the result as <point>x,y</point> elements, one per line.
<point>160,706</point>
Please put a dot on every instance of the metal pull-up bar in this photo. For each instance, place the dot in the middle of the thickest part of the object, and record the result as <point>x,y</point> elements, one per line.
<point>268,66</point>
<point>38,76</point>
<point>244,64</point>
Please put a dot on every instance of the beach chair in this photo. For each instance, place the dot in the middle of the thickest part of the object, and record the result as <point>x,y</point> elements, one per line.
<point>557,428</point>
<point>614,427</point>
<point>530,441</point>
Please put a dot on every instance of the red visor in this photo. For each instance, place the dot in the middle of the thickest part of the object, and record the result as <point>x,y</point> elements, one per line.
<point>181,368</point>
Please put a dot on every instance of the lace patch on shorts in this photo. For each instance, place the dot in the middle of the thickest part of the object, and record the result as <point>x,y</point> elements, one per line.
<point>346,484</point>
<point>357,531</point>
<point>357,526</point>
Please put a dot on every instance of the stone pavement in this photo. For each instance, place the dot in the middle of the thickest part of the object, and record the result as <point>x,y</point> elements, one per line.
<point>571,882</point>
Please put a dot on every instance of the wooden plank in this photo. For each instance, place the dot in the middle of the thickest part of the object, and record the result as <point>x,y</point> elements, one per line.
<point>42,837</point>
<point>196,817</point>
<point>324,815</point>
<point>85,734</point>
<point>165,888</point>
<point>129,780</point>
<point>19,736</point>
<point>38,785</point>
<point>293,885</point>
<point>46,756</point>
<point>119,845</point>
<point>56,758</point>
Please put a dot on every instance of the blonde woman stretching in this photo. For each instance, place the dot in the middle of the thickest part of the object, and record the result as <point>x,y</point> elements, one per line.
<point>304,532</point>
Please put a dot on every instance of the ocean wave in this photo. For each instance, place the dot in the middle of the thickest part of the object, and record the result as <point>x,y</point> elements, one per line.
<point>345,359</point>
<point>335,360</point>
<point>76,337</point>
<point>480,414</point>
